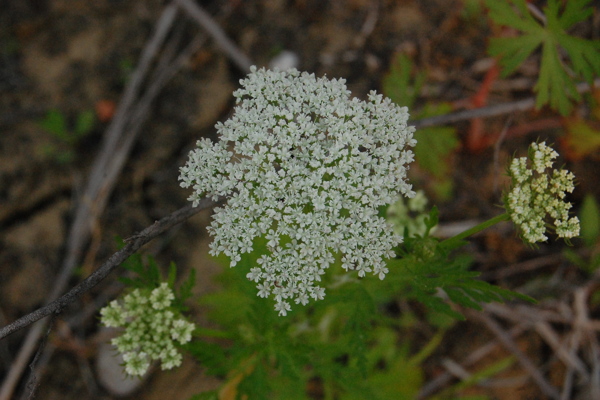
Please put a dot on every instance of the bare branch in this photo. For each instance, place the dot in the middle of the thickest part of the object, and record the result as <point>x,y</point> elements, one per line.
<point>525,361</point>
<point>490,111</point>
<point>214,30</point>
<point>133,244</point>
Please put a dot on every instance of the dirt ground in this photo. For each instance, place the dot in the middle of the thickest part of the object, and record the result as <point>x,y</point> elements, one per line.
<point>76,58</point>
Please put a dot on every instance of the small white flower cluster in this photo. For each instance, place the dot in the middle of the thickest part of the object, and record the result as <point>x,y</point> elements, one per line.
<point>151,328</point>
<point>305,166</point>
<point>536,193</point>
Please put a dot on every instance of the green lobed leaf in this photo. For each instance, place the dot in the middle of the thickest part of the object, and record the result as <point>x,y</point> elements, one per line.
<point>556,83</point>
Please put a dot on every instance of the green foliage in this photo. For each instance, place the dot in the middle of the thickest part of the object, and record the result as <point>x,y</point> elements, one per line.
<point>344,346</point>
<point>556,83</point>
<point>146,274</point>
<point>67,136</point>
<point>402,84</point>
<point>434,144</point>
<point>427,267</point>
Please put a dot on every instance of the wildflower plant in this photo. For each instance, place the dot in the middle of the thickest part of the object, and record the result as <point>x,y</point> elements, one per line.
<point>152,329</point>
<point>538,194</point>
<point>151,317</point>
<point>306,166</point>
<point>306,174</point>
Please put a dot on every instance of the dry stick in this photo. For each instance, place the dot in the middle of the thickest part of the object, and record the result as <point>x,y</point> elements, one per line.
<point>162,75</point>
<point>490,111</point>
<point>32,382</point>
<point>133,244</point>
<point>214,30</point>
<point>584,329</point>
<point>89,207</point>
<point>99,187</point>
<point>444,378</point>
<point>525,362</point>
<point>571,360</point>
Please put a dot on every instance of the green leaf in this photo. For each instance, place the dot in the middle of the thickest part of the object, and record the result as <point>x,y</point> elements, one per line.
<point>513,52</point>
<point>556,83</point>
<point>185,291</point>
<point>573,13</point>
<point>399,85</point>
<point>503,13</point>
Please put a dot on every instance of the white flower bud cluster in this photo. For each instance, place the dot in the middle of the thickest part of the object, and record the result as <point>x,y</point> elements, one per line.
<point>151,329</point>
<point>536,194</point>
<point>305,166</point>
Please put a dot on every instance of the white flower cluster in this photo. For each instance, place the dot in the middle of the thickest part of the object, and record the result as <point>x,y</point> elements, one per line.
<point>305,166</point>
<point>151,328</point>
<point>536,193</point>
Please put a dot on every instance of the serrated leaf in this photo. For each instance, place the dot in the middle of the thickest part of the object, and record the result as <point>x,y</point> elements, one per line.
<point>502,13</point>
<point>573,12</point>
<point>513,52</point>
<point>555,85</point>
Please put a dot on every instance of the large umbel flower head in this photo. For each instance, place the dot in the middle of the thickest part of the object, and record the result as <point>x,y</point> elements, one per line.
<point>306,166</point>
<point>537,192</point>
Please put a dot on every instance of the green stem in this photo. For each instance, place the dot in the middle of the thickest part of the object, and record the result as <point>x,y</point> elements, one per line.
<point>454,241</point>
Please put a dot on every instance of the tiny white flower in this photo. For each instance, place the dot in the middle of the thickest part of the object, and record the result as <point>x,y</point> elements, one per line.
<point>151,327</point>
<point>136,364</point>
<point>306,166</point>
<point>161,297</point>
<point>537,194</point>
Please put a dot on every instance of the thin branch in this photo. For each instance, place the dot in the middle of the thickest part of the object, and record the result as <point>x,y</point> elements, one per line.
<point>133,244</point>
<point>525,362</point>
<point>434,385</point>
<point>32,382</point>
<point>98,189</point>
<point>490,111</point>
<point>214,30</point>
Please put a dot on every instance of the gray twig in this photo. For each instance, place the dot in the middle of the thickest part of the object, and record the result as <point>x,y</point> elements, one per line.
<point>214,30</point>
<point>490,111</point>
<point>104,171</point>
<point>525,362</point>
<point>133,244</point>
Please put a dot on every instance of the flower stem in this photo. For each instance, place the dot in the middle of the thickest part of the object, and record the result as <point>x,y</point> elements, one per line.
<point>455,240</point>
